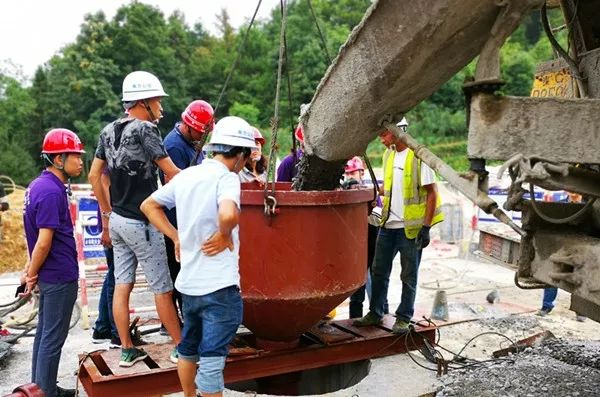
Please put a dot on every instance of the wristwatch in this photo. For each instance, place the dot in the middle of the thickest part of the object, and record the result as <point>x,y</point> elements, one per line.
<point>106,214</point>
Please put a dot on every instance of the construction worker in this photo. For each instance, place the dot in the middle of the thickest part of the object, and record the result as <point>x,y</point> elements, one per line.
<point>353,178</point>
<point>353,173</point>
<point>131,148</point>
<point>105,329</point>
<point>207,198</point>
<point>4,205</point>
<point>411,206</point>
<point>184,146</point>
<point>256,165</point>
<point>52,264</point>
<point>288,168</point>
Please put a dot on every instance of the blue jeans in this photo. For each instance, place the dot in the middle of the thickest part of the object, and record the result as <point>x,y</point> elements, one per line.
<point>549,298</point>
<point>105,321</point>
<point>209,324</point>
<point>55,309</point>
<point>389,243</point>
<point>358,297</point>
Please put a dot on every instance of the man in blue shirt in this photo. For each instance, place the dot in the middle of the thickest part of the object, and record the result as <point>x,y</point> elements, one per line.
<point>184,146</point>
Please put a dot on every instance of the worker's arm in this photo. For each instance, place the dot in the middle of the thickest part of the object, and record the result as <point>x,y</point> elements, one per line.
<point>228,199</point>
<point>430,203</point>
<point>168,168</point>
<point>153,208</point>
<point>105,238</point>
<point>229,217</point>
<point>95,178</point>
<point>156,215</point>
<point>38,257</point>
<point>153,146</point>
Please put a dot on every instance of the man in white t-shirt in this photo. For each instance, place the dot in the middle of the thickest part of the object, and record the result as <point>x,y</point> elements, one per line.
<point>411,206</point>
<point>207,198</point>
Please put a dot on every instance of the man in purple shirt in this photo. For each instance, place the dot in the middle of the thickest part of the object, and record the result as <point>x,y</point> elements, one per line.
<point>52,262</point>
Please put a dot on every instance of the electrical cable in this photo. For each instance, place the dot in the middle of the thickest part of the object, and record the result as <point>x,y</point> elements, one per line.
<point>81,361</point>
<point>573,67</point>
<point>453,364</point>
<point>557,221</point>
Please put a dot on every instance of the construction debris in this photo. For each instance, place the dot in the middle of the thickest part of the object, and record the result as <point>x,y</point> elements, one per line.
<point>556,368</point>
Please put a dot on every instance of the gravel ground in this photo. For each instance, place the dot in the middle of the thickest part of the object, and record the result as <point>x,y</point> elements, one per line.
<point>514,323</point>
<point>557,368</point>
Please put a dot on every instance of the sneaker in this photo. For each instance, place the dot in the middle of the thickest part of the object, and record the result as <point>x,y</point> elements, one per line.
<point>174,357</point>
<point>400,327</point>
<point>131,356</point>
<point>100,337</point>
<point>543,312</point>
<point>60,392</point>
<point>115,341</point>
<point>370,319</point>
<point>163,331</point>
<point>580,318</point>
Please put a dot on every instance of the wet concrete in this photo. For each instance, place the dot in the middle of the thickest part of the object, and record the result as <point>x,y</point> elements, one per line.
<point>315,173</point>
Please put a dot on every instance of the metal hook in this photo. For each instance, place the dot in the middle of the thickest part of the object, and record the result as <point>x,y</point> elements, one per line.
<point>270,205</point>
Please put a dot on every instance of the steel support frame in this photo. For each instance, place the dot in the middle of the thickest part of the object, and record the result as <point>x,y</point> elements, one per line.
<point>366,343</point>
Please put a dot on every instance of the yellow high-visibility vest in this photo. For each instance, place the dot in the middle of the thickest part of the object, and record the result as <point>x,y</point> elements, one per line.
<point>414,195</point>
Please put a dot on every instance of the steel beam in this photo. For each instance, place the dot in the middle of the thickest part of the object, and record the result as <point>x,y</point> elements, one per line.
<point>100,374</point>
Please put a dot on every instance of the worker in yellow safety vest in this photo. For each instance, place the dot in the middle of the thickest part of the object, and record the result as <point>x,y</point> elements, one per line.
<point>411,205</point>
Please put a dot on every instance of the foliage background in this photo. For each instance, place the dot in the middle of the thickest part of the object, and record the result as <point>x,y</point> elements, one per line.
<point>79,88</point>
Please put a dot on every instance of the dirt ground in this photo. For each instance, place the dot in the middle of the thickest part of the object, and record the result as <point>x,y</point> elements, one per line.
<point>13,250</point>
<point>466,282</point>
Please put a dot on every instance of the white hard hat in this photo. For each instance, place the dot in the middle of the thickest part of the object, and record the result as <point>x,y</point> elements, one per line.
<point>231,131</point>
<point>402,123</point>
<point>141,85</point>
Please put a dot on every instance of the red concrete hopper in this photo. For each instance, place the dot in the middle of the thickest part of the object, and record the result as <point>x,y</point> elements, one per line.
<point>305,261</point>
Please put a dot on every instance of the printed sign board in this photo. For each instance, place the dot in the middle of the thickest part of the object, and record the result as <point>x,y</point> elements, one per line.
<point>88,216</point>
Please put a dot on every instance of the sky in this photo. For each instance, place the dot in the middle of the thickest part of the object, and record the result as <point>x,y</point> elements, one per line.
<point>31,31</point>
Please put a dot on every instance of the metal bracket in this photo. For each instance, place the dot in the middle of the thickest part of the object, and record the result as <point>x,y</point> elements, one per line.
<point>488,66</point>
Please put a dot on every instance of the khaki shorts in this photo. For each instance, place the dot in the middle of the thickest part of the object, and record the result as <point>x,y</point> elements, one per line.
<point>137,241</point>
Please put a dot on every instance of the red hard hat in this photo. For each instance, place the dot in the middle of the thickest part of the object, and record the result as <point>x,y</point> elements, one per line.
<point>199,115</point>
<point>258,136</point>
<point>62,140</point>
<point>299,133</point>
<point>354,164</point>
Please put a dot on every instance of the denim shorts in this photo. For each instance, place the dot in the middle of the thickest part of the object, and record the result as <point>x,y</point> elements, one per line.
<point>137,241</point>
<point>209,324</point>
